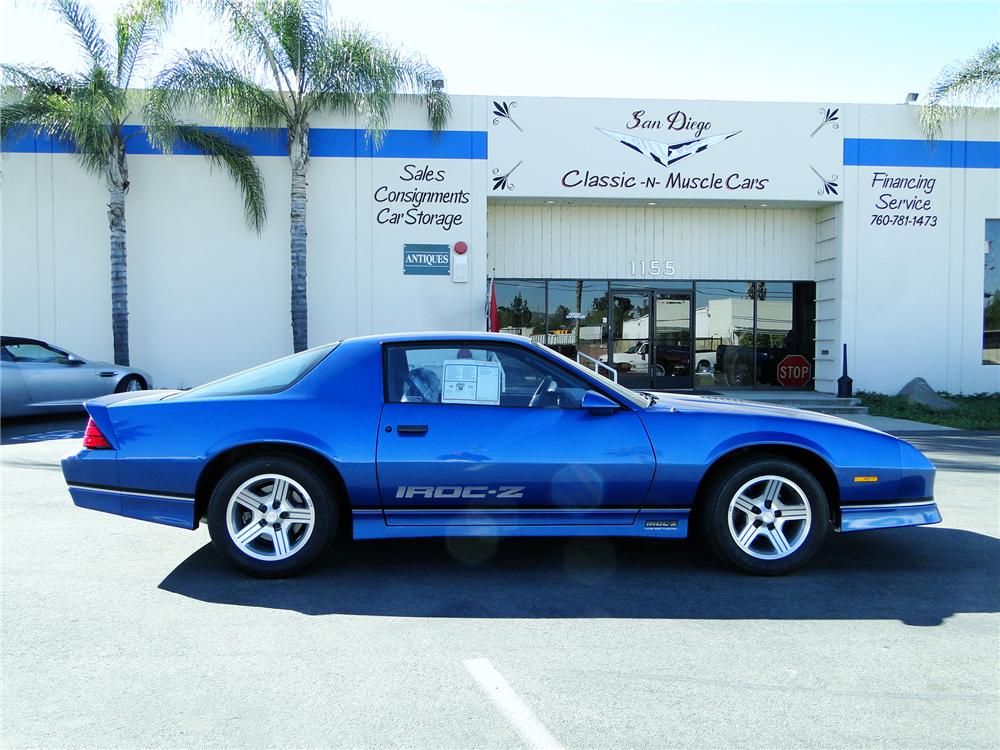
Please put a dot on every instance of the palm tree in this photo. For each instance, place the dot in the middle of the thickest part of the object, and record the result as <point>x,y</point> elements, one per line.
<point>309,68</point>
<point>975,82</point>
<point>90,110</point>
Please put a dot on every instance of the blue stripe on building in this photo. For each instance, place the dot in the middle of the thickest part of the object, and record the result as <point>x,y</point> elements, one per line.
<point>332,142</point>
<point>889,152</point>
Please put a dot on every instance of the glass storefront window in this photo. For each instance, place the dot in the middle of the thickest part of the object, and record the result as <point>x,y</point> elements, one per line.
<point>774,328</point>
<point>991,294</point>
<point>521,308</point>
<point>743,330</point>
<point>785,327</point>
<point>577,319</point>
<point>723,338</point>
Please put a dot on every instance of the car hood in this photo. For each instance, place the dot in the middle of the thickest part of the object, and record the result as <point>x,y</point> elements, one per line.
<point>720,405</point>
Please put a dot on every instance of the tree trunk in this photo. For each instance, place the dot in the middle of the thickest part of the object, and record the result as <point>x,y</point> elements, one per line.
<point>117,178</point>
<point>298,150</point>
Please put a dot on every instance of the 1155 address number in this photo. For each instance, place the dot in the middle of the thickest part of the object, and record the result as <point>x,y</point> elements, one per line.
<point>651,268</point>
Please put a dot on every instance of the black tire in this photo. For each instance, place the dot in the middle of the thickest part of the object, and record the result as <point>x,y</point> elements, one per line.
<point>125,384</point>
<point>722,523</point>
<point>738,374</point>
<point>323,527</point>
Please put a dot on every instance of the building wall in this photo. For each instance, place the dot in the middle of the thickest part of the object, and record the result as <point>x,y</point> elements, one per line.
<point>827,274</point>
<point>599,242</point>
<point>208,296</point>
<point>912,294</point>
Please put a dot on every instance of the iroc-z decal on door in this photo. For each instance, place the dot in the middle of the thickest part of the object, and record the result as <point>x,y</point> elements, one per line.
<point>455,492</point>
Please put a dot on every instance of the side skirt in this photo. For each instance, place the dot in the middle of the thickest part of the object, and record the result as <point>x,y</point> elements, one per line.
<point>371,524</point>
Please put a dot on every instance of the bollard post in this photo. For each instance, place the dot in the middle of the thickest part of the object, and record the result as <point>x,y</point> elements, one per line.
<point>845,386</point>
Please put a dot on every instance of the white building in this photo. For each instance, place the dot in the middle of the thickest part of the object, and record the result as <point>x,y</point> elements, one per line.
<point>778,229</point>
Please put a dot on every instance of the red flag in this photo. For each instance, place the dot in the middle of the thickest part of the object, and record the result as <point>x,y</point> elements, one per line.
<point>493,322</point>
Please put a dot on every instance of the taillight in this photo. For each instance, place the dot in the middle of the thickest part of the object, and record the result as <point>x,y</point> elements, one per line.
<point>93,438</point>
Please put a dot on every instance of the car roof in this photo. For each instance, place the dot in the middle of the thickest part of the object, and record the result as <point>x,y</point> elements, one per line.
<point>5,340</point>
<point>432,336</point>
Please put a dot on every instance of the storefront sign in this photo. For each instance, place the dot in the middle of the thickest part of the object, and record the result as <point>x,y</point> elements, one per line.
<point>426,260</point>
<point>903,199</point>
<point>420,198</point>
<point>612,148</point>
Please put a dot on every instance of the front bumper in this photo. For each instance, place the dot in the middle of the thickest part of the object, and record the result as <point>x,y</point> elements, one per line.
<point>889,515</point>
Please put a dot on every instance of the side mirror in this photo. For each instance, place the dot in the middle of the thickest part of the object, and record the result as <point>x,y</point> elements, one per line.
<point>72,360</point>
<point>598,403</point>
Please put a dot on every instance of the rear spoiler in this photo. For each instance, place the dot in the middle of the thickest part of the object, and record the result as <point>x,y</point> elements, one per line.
<point>97,409</point>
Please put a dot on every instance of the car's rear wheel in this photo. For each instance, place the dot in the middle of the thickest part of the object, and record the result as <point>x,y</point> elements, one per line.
<point>766,516</point>
<point>272,517</point>
<point>130,383</point>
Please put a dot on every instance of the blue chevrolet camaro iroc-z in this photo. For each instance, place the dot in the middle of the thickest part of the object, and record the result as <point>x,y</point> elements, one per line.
<point>422,435</point>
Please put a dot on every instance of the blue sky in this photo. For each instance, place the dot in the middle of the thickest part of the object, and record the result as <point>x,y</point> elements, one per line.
<point>787,51</point>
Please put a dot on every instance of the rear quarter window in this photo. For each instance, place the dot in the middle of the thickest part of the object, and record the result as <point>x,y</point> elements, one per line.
<point>270,377</point>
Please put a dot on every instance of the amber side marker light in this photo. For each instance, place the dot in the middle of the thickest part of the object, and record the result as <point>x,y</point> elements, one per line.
<point>865,479</point>
<point>93,438</point>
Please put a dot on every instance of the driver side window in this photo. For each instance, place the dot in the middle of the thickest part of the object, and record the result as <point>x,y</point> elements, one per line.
<point>36,353</point>
<point>478,375</point>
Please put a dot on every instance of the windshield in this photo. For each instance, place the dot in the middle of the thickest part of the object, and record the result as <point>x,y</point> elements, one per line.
<point>631,396</point>
<point>270,377</point>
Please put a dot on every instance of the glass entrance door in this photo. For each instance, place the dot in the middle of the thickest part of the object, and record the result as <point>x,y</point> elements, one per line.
<point>671,340</point>
<point>650,339</point>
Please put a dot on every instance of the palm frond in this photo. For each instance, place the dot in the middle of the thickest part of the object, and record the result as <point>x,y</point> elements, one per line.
<point>37,113</point>
<point>220,87</point>
<point>356,73</point>
<point>86,110</point>
<point>249,27</point>
<point>84,26</point>
<point>38,77</point>
<point>96,111</point>
<point>38,100</point>
<point>297,27</point>
<point>975,82</point>
<point>235,159</point>
<point>139,27</point>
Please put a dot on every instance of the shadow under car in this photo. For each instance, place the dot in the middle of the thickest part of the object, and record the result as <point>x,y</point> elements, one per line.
<point>919,576</point>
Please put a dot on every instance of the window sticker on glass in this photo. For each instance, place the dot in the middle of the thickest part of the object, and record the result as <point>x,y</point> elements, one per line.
<point>471,381</point>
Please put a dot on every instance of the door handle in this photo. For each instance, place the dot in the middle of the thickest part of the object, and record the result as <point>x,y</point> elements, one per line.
<point>412,429</point>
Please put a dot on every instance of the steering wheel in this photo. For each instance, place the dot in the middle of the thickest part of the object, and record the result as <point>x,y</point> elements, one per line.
<point>547,385</point>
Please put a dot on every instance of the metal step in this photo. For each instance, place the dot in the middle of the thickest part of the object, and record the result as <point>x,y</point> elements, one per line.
<point>841,410</point>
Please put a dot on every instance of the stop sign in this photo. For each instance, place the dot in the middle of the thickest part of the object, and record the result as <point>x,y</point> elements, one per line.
<point>794,370</point>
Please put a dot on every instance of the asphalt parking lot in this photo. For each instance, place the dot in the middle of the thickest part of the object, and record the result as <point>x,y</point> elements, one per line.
<point>117,633</point>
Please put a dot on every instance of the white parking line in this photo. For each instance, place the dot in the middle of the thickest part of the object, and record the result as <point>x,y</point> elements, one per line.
<point>532,731</point>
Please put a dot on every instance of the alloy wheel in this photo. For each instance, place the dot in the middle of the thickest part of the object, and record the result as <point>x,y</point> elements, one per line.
<point>270,517</point>
<point>769,517</point>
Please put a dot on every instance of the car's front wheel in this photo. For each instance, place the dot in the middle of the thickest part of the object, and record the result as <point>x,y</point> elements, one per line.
<point>766,516</point>
<point>130,383</point>
<point>272,517</point>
